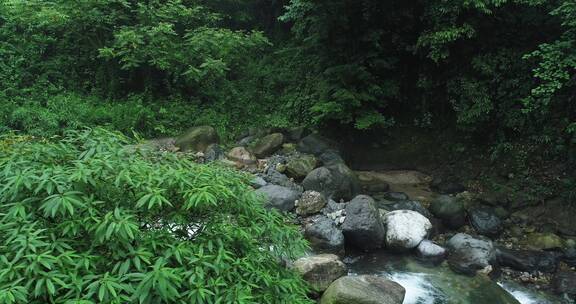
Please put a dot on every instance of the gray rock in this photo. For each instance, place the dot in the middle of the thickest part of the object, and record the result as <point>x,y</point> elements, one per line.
<point>278,197</point>
<point>274,177</point>
<point>528,260</point>
<point>450,210</point>
<point>241,155</point>
<point>268,145</point>
<point>564,283</point>
<point>411,205</point>
<point>258,182</point>
<point>197,139</point>
<point>320,270</point>
<point>447,187</point>
<point>469,254</point>
<point>430,250</point>
<point>363,289</point>
<point>331,157</point>
<point>485,221</point>
<point>335,182</point>
<point>405,229</point>
<point>324,236</point>
<point>396,196</point>
<point>316,144</point>
<point>311,202</point>
<point>363,226</point>
<point>213,152</point>
<point>333,206</point>
<point>246,141</point>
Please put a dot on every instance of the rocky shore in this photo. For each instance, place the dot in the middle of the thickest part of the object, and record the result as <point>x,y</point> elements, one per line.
<point>339,209</point>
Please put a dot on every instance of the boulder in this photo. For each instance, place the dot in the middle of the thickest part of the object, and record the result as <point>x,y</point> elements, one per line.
<point>569,256</point>
<point>278,197</point>
<point>241,155</point>
<point>258,182</point>
<point>320,270</point>
<point>527,260</point>
<point>543,241</point>
<point>430,250</point>
<point>363,227</point>
<point>363,289</point>
<point>485,221</point>
<point>450,210</point>
<point>447,187</point>
<point>411,205</point>
<point>213,152</point>
<point>197,139</point>
<point>564,283</point>
<point>272,176</point>
<point>335,182</point>
<point>299,167</point>
<point>311,202</point>
<point>405,229</point>
<point>316,144</point>
<point>268,144</point>
<point>331,157</point>
<point>469,254</point>
<point>324,236</point>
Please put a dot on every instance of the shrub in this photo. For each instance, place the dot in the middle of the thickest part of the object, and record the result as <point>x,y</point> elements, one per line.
<point>92,219</point>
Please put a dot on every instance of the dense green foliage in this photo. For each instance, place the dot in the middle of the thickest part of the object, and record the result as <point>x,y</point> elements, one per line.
<point>89,219</point>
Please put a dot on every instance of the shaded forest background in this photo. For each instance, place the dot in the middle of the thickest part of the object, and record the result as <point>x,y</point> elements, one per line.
<point>500,73</point>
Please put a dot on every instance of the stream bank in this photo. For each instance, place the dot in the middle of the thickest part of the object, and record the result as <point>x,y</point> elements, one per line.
<point>392,217</point>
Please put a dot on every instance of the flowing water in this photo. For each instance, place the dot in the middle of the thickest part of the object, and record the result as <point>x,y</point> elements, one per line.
<point>427,284</point>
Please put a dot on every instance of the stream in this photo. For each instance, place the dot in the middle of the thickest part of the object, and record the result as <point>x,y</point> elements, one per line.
<point>428,284</point>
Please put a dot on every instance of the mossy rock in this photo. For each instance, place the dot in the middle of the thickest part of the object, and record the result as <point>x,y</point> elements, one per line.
<point>197,139</point>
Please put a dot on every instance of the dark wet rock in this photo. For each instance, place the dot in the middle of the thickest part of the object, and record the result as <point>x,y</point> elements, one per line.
<point>450,210</point>
<point>485,221</point>
<point>363,289</point>
<point>333,206</point>
<point>569,256</point>
<point>268,144</point>
<point>298,167</point>
<point>324,236</point>
<point>296,134</point>
<point>467,254</point>
<point>320,270</point>
<point>363,226</point>
<point>274,177</point>
<point>336,182</point>
<point>430,250</point>
<point>527,260</point>
<point>564,283</point>
<point>213,152</point>
<point>405,229</point>
<point>396,196</point>
<point>278,197</point>
<point>411,205</point>
<point>316,144</point>
<point>447,187</point>
<point>310,202</point>
<point>197,139</point>
<point>246,141</point>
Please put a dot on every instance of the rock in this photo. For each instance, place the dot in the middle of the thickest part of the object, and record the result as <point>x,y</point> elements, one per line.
<point>485,221</point>
<point>268,145</point>
<point>411,205</point>
<point>469,254</point>
<point>241,155</point>
<point>335,182</point>
<point>274,177</point>
<point>363,289</point>
<point>564,283</point>
<point>320,270</point>
<point>569,256</point>
<point>324,236</point>
<point>295,134</point>
<point>543,241</point>
<point>258,182</point>
<point>213,152</point>
<point>278,197</point>
<point>430,250</point>
<point>363,227</point>
<point>246,141</point>
<point>331,157</point>
<point>311,202</point>
<point>333,206</point>
<point>450,210</point>
<point>299,167</point>
<point>447,187</point>
<point>527,260</point>
<point>197,139</point>
<point>405,229</point>
<point>316,144</point>
<point>396,196</point>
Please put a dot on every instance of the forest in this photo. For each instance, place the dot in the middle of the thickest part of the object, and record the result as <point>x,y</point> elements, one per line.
<point>195,151</point>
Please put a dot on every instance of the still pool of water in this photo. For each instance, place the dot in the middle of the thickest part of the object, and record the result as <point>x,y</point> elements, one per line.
<point>426,284</point>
